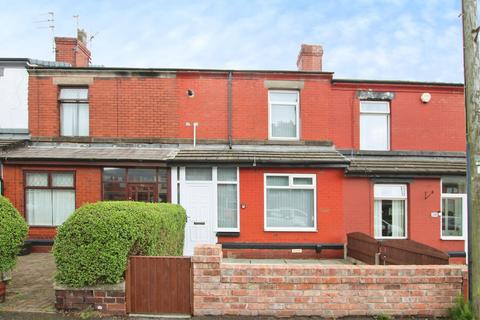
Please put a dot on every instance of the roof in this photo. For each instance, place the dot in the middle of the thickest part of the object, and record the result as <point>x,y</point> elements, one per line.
<point>374,164</point>
<point>12,137</point>
<point>23,62</point>
<point>254,155</point>
<point>88,152</point>
<point>182,154</point>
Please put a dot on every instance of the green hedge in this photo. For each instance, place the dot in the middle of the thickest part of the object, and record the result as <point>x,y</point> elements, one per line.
<point>13,232</point>
<point>93,245</point>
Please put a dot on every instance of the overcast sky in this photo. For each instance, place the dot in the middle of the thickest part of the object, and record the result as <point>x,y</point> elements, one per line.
<point>367,39</point>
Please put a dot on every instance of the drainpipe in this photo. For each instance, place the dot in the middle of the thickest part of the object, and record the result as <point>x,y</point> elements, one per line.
<point>229,109</point>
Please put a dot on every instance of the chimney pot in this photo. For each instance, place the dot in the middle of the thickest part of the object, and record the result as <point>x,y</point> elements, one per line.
<point>310,58</point>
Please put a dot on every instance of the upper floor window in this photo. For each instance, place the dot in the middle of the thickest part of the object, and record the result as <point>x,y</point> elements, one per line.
<point>374,125</point>
<point>283,115</point>
<point>74,114</point>
<point>390,210</point>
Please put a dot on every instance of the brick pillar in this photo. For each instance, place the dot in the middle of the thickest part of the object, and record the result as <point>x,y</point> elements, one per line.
<point>206,280</point>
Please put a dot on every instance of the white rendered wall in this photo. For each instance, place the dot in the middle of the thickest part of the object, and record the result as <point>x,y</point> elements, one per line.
<point>13,98</point>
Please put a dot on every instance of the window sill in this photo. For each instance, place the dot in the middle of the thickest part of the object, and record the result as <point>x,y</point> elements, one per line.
<point>391,238</point>
<point>452,238</point>
<point>231,234</point>
<point>290,230</point>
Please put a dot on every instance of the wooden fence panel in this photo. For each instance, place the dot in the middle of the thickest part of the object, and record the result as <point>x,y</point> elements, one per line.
<point>159,285</point>
<point>404,252</point>
<point>362,247</point>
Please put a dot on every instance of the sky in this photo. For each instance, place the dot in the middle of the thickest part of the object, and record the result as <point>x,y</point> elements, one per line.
<point>418,40</point>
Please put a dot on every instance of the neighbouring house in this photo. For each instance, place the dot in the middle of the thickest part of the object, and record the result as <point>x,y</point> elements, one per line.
<point>268,163</point>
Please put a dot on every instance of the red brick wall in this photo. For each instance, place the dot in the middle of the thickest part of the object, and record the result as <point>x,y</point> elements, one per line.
<point>158,107</point>
<point>329,208</point>
<point>88,189</point>
<point>422,227</point>
<point>437,125</point>
<point>329,291</point>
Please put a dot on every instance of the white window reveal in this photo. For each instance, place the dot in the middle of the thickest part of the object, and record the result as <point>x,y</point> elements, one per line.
<point>74,112</point>
<point>290,202</point>
<point>283,115</point>
<point>50,197</point>
<point>390,211</point>
<point>374,125</point>
<point>454,208</point>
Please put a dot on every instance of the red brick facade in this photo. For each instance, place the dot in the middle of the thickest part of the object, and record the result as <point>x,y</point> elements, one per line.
<point>150,105</point>
<point>88,190</point>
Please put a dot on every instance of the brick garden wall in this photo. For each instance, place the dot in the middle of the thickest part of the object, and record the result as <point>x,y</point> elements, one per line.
<point>321,290</point>
<point>109,299</point>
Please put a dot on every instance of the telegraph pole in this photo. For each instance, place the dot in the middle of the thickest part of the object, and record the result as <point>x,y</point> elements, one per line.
<point>471,60</point>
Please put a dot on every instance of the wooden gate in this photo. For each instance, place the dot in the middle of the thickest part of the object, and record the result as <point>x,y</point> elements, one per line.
<point>159,285</point>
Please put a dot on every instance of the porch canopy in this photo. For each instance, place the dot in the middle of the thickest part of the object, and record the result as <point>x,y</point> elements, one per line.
<point>400,163</point>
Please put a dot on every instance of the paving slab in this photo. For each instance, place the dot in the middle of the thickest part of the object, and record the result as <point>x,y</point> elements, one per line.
<point>31,287</point>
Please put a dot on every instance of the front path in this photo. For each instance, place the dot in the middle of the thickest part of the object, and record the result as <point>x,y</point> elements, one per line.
<point>31,287</point>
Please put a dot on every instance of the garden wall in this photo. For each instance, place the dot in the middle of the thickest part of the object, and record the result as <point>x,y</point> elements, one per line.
<point>320,290</point>
<point>109,299</point>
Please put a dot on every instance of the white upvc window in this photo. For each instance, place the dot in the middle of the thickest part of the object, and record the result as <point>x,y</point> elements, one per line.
<point>74,112</point>
<point>454,208</point>
<point>374,125</point>
<point>290,202</point>
<point>49,197</point>
<point>283,115</point>
<point>227,199</point>
<point>390,211</point>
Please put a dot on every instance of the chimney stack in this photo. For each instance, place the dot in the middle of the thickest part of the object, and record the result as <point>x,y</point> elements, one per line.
<point>73,50</point>
<point>310,58</point>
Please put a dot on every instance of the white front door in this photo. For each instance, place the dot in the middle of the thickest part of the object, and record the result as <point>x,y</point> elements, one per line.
<point>197,196</point>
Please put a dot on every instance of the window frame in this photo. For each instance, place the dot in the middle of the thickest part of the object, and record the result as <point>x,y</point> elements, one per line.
<point>180,178</point>
<point>290,186</point>
<point>217,182</point>
<point>48,187</point>
<point>128,182</point>
<point>405,198</point>
<point>72,101</point>
<point>462,196</point>
<point>389,122</point>
<point>297,115</point>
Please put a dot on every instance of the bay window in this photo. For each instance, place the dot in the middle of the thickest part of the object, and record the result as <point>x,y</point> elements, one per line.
<point>74,112</point>
<point>390,210</point>
<point>290,202</point>
<point>283,115</point>
<point>49,197</point>
<point>136,184</point>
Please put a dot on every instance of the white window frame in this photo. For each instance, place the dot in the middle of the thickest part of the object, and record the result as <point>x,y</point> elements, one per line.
<point>217,228</point>
<point>74,101</point>
<point>297,115</point>
<point>462,196</point>
<point>179,172</point>
<point>376,113</point>
<point>290,186</point>
<point>405,198</point>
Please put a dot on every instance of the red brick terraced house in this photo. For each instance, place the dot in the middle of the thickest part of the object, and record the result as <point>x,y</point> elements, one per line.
<point>268,163</point>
